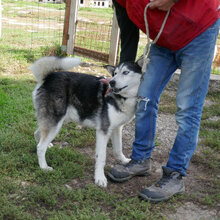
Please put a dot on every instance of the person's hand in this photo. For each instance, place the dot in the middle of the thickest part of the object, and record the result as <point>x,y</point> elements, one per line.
<point>163,5</point>
<point>106,81</point>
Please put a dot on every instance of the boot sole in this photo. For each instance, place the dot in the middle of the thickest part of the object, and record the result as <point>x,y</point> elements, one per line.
<point>120,180</point>
<point>143,196</point>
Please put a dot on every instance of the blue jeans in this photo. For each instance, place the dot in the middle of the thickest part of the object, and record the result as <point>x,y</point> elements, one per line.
<point>195,61</point>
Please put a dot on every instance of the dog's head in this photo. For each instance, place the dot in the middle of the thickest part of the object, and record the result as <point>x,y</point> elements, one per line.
<point>125,78</point>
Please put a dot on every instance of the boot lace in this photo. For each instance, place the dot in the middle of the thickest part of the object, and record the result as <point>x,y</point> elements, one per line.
<point>131,163</point>
<point>163,181</point>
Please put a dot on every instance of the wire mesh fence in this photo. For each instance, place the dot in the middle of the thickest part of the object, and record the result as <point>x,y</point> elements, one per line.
<point>31,25</point>
<point>93,32</point>
<point>35,25</point>
<point>93,38</point>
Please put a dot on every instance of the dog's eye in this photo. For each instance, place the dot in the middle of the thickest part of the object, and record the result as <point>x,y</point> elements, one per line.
<point>125,72</point>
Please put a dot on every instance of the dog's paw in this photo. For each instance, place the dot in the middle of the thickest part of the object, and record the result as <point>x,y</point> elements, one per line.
<point>47,168</point>
<point>125,160</point>
<point>50,145</point>
<point>101,181</point>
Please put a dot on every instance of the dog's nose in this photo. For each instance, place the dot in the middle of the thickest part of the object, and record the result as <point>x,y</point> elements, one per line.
<point>112,83</point>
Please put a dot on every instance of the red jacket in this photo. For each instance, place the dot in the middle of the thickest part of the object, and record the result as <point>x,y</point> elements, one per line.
<point>187,19</point>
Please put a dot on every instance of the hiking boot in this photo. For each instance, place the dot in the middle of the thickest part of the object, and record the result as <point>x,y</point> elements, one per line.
<point>121,173</point>
<point>170,184</point>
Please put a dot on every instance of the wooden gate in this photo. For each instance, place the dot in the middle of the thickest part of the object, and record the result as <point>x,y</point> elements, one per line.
<point>93,39</point>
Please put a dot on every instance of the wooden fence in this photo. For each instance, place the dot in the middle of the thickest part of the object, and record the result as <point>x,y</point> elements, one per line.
<point>93,39</point>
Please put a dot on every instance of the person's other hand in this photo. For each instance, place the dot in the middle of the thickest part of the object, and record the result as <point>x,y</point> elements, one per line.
<point>163,5</point>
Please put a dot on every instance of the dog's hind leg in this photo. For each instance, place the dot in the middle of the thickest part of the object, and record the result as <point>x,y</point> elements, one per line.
<point>117,145</point>
<point>101,145</point>
<point>37,137</point>
<point>47,135</point>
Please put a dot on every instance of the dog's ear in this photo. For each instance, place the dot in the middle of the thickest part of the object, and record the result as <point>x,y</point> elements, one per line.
<point>111,69</point>
<point>140,61</point>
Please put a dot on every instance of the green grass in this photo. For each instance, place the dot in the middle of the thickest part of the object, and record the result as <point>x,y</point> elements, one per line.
<point>105,11</point>
<point>33,3</point>
<point>34,194</point>
<point>216,71</point>
<point>26,192</point>
<point>210,129</point>
<point>44,195</point>
<point>167,104</point>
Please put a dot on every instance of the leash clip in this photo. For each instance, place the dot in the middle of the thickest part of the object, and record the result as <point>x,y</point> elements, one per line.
<point>144,66</point>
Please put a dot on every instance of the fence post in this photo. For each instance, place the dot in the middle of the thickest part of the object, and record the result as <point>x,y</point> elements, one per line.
<point>66,26</point>
<point>72,25</point>
<point>113,52</point>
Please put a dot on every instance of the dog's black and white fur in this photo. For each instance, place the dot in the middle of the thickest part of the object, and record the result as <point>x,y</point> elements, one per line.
<point>67,96</point>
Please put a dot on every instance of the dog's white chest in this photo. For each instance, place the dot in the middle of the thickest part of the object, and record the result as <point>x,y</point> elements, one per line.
<point>118,118</point>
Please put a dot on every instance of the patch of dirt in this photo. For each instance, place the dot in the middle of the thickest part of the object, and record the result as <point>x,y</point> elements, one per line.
<point>191,211</point>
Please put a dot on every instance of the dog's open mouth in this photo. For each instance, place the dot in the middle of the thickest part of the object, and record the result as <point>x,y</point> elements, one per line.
<point>117,90</point>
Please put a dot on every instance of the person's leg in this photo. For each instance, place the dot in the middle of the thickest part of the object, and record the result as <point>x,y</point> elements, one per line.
<point>159,70</point>
<point>161,67</point>
<point>129,34</point>
<point>195,60</point>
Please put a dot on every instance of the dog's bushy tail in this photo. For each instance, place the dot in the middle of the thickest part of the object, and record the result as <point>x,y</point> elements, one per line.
<point>45,65</point>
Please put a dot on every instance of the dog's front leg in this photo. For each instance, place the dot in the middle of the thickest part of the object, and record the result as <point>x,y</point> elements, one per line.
<point>117,145</point>
<point>101,144</point>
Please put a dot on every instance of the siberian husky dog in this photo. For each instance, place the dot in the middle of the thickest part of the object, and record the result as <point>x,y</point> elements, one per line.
<point>62,96</point>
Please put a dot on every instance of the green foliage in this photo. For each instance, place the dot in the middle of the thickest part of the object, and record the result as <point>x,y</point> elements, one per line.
<point>216,71</point>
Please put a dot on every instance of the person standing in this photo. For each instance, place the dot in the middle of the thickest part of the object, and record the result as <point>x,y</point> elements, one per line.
<point>186,42</point>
